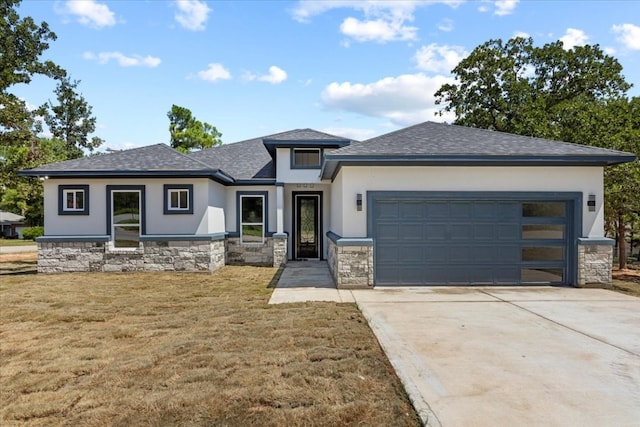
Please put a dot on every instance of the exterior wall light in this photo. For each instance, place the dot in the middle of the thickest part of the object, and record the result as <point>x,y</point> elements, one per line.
<point>591,203</point>
<point>359,202</point>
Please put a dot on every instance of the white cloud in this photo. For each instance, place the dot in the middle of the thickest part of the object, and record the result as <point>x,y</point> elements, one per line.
<point>505,7</point>
<point>573,37</point>
<point>404,100</point>
<point>192,14</point>
<point>352,133</point>
<point>384,20</point>
<point>91,13</point>
<point>439,58</point>
<point>521,34</point>
<point>123,60</point>
<point>380,30</point>
<point>628,35</point>
<point>610,50</point>
<point>446,25</point>
<point>276,75</point>
<point>214,73</point>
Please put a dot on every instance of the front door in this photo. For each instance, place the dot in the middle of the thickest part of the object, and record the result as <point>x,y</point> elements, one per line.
<point>307,226</point>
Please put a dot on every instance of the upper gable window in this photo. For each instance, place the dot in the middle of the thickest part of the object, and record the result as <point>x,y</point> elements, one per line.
<point>305,158</point>
<point>178,199</point>
<point>73,200</point>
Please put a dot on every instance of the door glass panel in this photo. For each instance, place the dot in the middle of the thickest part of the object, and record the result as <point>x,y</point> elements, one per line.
<point>543,209</point>
<point>543,253</point>
<point>307,221</point>
<point>541,275</point>
<point>126,219</point>
<point>543,231</point>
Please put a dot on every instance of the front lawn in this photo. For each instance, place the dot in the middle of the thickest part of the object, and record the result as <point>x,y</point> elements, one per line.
<point>186,349</point>
<point>17,242</point>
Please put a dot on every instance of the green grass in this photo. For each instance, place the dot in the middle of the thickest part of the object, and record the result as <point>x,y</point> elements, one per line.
<point>16,242</point>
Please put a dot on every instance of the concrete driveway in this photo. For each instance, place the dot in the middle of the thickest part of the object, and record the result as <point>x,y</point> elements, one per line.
<point>538,356</point>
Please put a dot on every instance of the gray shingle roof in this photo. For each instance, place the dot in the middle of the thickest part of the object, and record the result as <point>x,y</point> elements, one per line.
<point>10,218</point>
<point>153,158</point>
<point>432,138</point>
<point>305,135</point>
<point>432,143</point>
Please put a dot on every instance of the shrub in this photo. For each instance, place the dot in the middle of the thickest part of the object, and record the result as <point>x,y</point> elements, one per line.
<point>33,232</point>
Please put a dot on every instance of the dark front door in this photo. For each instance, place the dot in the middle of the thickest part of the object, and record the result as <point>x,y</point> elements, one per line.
<point>307,228</point>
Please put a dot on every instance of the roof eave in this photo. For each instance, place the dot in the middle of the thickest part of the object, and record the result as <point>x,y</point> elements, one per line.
<point>333,163</point>
<point>215,174</point>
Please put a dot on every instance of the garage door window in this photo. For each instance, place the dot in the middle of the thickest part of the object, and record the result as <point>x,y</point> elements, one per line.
<point>542,253</point>
<point>544,209</point>
<point>543,231</point>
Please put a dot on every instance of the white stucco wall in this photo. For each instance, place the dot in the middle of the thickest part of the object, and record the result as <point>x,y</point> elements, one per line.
<point>284,173</point>
<point>347,222</point>
<point>204,219</point>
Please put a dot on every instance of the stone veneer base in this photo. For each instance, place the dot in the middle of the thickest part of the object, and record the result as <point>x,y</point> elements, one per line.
<point>595,260</point>
<point>350,262</point>
<point>85,256</point>
<point>272,253</point>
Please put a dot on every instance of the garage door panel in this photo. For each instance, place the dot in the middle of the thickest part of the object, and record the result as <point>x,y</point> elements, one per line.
<point>458,242</point>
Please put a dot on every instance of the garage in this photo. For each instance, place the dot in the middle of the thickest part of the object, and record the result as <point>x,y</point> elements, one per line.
<point>473,238</point>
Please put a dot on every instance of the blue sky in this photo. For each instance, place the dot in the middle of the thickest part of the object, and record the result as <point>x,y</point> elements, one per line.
<point>251,68</point>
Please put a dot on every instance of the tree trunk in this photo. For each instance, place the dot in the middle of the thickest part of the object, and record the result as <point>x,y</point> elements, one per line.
<point>622,244</point>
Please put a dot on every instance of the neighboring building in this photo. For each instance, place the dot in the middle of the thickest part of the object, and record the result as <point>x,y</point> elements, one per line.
<point>432,204</point>
<point>11,225</point>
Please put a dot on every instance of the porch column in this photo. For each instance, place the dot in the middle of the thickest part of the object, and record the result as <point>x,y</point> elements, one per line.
<point>280,208</point>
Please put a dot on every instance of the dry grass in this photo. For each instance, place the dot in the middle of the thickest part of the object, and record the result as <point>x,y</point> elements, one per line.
<point>18,263</point>
<point>627,281</point>
<point>186,349</point>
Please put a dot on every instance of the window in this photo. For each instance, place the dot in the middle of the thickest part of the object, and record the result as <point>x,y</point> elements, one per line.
<point>178,199</point>
<point>252,219</point>
<point>73,200</point>
<point>305,158</point>
<point>125,219</point>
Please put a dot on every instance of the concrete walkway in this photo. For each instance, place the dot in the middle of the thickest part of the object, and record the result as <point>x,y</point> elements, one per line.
<point>303,281</point>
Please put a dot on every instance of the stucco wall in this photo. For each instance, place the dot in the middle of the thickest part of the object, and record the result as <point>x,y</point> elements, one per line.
<point>348,222</point>
<point>284,173</point>
<point>203,220</point>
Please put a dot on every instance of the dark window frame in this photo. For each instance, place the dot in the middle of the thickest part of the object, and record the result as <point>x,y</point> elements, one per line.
<point>265,217</point>
<point>63,189</point>
<point>167,200</point>
<point>296,166</point>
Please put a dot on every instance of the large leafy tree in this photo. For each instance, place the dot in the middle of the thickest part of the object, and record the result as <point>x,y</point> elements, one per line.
<point>71,120</point>
<point>576,95</point>
<point>188,133</point>
<point>22,44</point>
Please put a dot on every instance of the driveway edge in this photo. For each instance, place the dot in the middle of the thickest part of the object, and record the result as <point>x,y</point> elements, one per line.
<point>406,371</point>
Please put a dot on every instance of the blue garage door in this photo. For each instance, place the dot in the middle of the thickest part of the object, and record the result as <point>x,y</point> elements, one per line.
<point>467,241</point>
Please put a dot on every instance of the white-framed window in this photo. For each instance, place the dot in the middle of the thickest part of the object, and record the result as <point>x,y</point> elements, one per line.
<point>306,158</point>
<point>178,199</point>
<point>126,216</point>
<point>252,218</point>
<point>73,200</point>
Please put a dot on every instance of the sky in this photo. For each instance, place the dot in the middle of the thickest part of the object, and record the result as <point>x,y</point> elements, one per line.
<point>357,69</point>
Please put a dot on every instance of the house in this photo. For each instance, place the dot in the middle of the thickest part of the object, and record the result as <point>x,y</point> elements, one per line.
<point>431,204</point>
<point>11,225</point>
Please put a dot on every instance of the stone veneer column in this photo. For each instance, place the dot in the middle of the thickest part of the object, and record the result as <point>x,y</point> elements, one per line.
<point>279,249</point>
<point>595,260</point>
<point>350,261</point>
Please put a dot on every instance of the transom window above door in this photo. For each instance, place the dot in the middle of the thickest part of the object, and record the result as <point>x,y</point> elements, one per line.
<point>306,158</point>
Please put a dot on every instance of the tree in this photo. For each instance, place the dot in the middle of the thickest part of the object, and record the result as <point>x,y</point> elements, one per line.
<point>576,95</point>
<point>71,120</point>
<point>189,134</point>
